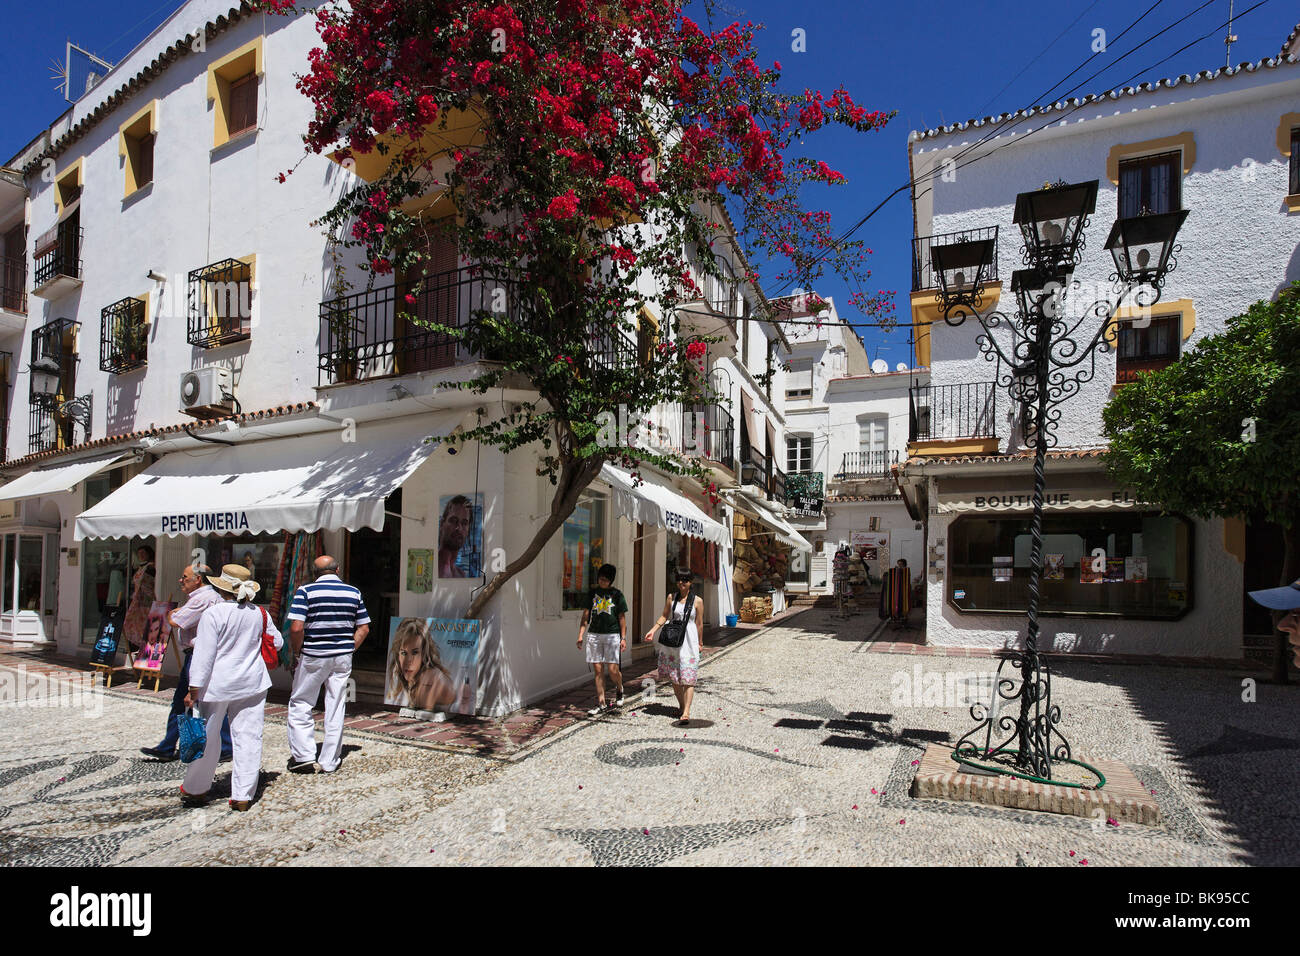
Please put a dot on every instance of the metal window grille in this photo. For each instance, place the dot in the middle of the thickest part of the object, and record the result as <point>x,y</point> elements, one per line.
<point>220,303</point>
<point>123,344</point>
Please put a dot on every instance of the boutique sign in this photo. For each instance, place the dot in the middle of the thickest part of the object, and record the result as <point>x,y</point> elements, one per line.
<point>1065,498</point>
<point>207,522</point>
<point>680,523</point>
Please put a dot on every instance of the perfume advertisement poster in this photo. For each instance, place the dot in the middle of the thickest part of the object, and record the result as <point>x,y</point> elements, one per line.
<point>433,664</point>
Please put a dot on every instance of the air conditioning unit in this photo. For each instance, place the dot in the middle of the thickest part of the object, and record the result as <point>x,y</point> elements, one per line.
<point>207,392</point>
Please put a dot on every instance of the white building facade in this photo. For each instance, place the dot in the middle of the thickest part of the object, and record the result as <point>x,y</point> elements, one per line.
<point>847,430</point>
<point>1221,145</point>
<point>156,242</point>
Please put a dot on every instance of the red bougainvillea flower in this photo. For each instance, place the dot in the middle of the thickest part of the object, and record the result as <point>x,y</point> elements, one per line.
<point>564,206</point>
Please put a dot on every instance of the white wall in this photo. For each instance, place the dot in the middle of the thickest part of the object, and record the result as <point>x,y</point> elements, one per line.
<point>203,206</point>
<point>1239,244</point>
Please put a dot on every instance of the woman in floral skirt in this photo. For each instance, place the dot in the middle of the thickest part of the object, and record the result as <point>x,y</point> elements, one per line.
<point>680,665</point>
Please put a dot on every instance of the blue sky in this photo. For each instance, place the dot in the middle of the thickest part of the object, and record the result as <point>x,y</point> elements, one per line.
<point>939,63</point>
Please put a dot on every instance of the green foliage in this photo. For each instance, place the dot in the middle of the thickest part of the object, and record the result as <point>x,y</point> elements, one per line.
<point>1217,433</point>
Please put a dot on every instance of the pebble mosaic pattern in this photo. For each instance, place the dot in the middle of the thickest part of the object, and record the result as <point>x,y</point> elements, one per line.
<point>801,754</point>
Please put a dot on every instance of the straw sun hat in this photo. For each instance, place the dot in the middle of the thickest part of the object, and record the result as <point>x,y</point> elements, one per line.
<point>236,580</point>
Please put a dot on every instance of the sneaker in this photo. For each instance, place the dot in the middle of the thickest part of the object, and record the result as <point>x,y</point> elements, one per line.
<point>618,697</point>
<point>157,753</point>
<point>597,710</point>
<point>302,766</point>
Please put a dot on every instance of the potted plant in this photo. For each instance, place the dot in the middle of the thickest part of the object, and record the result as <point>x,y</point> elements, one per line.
<point>129,340</point>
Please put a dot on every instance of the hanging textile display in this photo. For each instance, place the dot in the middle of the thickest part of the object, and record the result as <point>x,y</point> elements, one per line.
<point>896,594</point>
<point>300,551</point>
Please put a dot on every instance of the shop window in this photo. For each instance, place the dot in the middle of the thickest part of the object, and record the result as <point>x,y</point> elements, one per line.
<point>260,553</point>
<point>232,89</point>
<point>1146,349</point>
<point>1151,184</point>
<point>1131,564</point>
<point>798,454</point>
<point>135,143</point>
<point>105,562</point>
<point>584,551</point>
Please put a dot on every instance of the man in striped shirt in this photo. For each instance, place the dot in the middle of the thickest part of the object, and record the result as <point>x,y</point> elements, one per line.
<point>327,623</point>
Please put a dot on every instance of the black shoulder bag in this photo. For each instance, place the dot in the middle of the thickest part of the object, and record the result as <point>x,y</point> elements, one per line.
<point>673,634</point>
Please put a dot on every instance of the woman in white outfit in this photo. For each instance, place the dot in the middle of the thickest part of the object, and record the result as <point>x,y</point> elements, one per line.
<point>680,665</point>
<point>229,677</point>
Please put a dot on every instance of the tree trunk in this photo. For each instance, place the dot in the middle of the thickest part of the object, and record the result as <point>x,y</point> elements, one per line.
<point>1290,571</point>
<point>574,479</point>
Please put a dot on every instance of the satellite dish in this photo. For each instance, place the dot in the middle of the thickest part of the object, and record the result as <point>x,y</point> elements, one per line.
<point>880,366</point>
<point>900,367</point>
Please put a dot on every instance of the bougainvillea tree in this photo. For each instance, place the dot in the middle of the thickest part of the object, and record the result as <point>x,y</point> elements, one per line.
<point>588,156</point>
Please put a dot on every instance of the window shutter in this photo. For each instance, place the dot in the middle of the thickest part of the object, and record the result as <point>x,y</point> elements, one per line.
<point>144,164</point>
<point>800,375</point>
<point>243,104</point>
<point>1295,161</point>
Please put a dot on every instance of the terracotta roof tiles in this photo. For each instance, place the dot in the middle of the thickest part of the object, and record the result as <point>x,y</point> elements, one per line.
<point>40,457</point>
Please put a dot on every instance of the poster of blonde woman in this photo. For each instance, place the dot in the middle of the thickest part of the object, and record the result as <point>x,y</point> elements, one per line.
<point>433,665</point>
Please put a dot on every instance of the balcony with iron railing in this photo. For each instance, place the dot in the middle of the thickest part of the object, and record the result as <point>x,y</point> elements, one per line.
<point>691,431</point>
<point>964,413</point>
<point>866,465</point>
<point>58,260</point>
<point>6,359</point>
<point>776,485</point>
<point>923,277</point>
<point>755,467</point>
<point>385,331</point>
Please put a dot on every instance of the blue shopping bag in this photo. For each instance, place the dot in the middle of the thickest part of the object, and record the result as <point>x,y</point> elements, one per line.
<point>194,736</point>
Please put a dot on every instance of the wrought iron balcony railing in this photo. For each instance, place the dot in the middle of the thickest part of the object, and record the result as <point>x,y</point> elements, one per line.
<point>949,412</point>
<point>58,252</point>
<point>776,485</point>
<point>754,466</point>
<point>922,275</point>
<point>859,465</point>
<point>384,331</point>
<point>694,431</point>
<point>13,284</point>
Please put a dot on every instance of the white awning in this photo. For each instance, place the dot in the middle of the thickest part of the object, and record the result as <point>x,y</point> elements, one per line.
<point>784,531</point>
<point>326,480</point>
<point>652,502</point>
<point>52,481</point>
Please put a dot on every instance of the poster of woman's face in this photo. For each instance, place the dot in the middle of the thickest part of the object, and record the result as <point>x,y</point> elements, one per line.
<point>156,633</point>
<point>460,536</point>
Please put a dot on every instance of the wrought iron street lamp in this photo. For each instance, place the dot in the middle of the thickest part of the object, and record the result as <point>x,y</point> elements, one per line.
<point>1047,359</point>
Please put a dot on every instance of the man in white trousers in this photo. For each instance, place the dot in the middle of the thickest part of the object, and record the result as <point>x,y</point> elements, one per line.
<point>228,677</point>
<point>327,623</point>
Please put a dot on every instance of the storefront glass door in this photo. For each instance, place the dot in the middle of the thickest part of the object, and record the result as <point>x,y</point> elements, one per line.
<point>374,565</point>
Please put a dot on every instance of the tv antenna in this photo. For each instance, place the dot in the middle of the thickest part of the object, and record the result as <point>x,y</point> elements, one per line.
<point>79,72</point>
<point>1230,39</point>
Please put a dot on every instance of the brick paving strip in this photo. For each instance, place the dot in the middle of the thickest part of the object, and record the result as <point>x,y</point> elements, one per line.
<point>1123,798</point>
<point>509,738</point>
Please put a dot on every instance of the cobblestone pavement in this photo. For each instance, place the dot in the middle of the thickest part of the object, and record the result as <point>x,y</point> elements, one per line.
<point>802,752</point>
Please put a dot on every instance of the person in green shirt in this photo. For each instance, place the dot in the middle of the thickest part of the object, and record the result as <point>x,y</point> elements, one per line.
<point>604,628</point>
